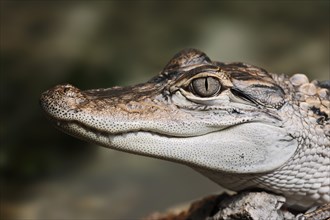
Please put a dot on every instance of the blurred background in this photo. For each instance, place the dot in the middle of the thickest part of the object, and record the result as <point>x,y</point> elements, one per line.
<point>46,174</point>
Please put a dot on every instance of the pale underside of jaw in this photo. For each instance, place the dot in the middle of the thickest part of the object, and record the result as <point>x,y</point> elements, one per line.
<point>245,148</point>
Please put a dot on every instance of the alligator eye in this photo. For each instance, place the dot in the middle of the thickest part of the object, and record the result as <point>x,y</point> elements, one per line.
<point>205,86</point>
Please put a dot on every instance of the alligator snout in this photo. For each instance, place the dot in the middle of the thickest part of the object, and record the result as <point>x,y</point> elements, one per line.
<point>61,99</point>
<point>61,91</point>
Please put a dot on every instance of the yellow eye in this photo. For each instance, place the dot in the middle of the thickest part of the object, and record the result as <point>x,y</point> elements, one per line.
<point>205,86</point>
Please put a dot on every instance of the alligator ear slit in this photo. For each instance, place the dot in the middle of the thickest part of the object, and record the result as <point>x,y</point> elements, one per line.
<point>243,96</point>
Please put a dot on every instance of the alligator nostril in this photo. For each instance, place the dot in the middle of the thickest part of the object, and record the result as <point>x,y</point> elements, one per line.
<point>66,89</point>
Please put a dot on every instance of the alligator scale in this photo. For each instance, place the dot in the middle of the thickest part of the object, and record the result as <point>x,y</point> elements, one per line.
<point>235,123</point>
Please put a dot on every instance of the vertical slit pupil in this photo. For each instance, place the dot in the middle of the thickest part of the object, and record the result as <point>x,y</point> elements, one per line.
<point>206,84</point>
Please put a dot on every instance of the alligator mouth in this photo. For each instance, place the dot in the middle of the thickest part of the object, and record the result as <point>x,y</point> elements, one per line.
<point>77,129</point>
<point>198,150</point>
<point>109,140</point>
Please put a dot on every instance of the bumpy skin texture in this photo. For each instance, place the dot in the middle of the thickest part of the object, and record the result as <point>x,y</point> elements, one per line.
<point>235,123</point>
<point>309,111</point>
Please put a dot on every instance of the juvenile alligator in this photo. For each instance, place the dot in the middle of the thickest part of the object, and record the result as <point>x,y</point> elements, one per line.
<point>235,123</point>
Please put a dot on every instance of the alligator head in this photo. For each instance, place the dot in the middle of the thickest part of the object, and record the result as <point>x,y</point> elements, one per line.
<point>208,115</point>
<point>235,123</point>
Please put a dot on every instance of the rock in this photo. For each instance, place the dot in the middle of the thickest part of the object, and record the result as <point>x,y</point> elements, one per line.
<point>198,210</point>
<point>244,205</point>
<point>252,205</point>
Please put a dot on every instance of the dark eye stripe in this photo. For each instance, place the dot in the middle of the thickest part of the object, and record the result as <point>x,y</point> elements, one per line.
<point>271,96</point>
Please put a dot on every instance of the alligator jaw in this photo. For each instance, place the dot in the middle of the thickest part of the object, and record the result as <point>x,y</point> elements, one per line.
<point>101,111</point>
<point>186,139</point>
<point>196,150</point>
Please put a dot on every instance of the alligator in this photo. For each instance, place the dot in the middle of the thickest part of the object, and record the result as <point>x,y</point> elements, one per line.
<point>237,124</point>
